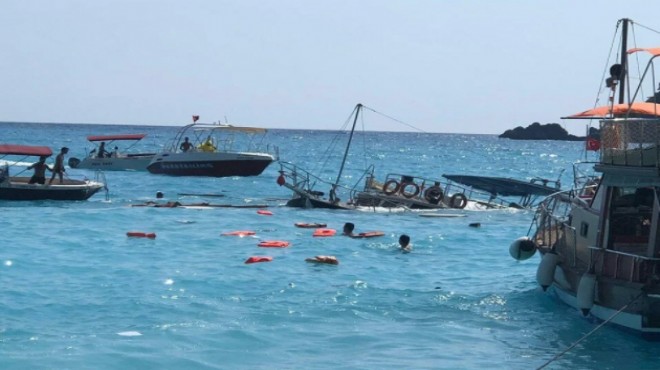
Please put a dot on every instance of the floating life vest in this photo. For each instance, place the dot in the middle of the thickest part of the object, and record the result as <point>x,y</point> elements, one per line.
<point>139,234</point>
<point>329,260</point>
<point>310,226</point>
<point>273,244</point>
<point>368,234</point>
<point>324,232</point>
<point>264,212</point>
<point>240,233</point>
<point>255,259</point>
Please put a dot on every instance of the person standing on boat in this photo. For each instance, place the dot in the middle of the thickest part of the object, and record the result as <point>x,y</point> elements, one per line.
<point>186,145</point>
<point>40,168</point>
<point>58,168</point>
<point>404,243</point>
<point>102,153</point>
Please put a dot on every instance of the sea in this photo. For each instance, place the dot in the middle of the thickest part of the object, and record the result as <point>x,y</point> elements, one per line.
<point>77,293</point>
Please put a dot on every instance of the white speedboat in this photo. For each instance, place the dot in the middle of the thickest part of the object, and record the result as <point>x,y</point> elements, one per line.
<point>217,150</point>
<point>600,242</point>
<point>119,159</point>
<point>15,187</point>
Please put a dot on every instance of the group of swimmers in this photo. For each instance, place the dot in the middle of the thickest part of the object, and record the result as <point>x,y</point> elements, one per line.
<point>404,240</point>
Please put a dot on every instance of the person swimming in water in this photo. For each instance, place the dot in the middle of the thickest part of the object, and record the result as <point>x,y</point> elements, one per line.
<point>404,243</point>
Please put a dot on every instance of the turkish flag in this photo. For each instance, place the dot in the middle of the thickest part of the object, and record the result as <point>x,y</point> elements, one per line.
<point>195,118</point>
<point>593,144</point>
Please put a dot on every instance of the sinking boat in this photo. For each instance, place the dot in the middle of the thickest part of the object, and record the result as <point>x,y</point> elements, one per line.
<point>414,192</point>
<point>305,185</point>
<point>119,159</point>
<point>528,192</point>
<point>600,241</point>
<point>213,150</point>
<point>15,187</point>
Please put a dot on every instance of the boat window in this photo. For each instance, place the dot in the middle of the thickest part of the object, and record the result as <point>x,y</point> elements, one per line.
<point>630,218</point>
<point>584,229</point>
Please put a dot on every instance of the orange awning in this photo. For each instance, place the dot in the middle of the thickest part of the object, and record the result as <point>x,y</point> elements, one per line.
<point>653,51</point>
<point>634,109</point>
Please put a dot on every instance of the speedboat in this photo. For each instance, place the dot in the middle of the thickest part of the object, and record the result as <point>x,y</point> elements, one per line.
<point>116,160</point>
<point>600,241</point>
<point>212,150</point>
<point>15,187</point>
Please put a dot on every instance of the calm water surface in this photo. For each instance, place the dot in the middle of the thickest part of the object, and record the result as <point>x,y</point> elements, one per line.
<point>78,294</point>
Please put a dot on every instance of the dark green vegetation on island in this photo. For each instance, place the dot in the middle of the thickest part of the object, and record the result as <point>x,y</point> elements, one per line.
<point>537,131</point>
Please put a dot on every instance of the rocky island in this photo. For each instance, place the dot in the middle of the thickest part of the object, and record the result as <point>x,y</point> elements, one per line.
<point>537,131</point>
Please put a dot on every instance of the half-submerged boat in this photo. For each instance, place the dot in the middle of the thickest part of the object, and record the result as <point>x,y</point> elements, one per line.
<point>305,185</point>
<point>117,159</point>
<point>414,192</point>
<point>529,193</point>
<point>15,187</point>
<point>213,150</point>
<point>600,242</point>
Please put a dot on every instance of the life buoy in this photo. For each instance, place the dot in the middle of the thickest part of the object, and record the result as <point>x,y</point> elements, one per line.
<point>309,226</point>
<point>255,259</point>
<point>434,194</point>
<point>139,234</point>
<point>264,212</point>
<point>281,180</point>
<point>273,244</point>
<point>368,234</point>
<point>407,194</point>
<point>240,233</point>
<point>388,185</point>
<point>329,260</point>
<point>324,232</point>
<point>458,200</point>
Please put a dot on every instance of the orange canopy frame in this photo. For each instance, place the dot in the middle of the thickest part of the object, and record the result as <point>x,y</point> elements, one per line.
<point>634,109</point>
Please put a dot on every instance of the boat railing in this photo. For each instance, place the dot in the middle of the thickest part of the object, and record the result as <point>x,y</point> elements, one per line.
<point>423,184</point>
<point>302,179</point>
<point>550,219</point>
<point>630,142</point>
<point>619,265</point>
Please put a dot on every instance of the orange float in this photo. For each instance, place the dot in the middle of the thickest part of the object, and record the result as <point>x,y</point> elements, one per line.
<point>273,244</point>
<point>324,232</point>
<point>309,226</point>
<point>264,212</point>
<point>368,234</point>
<point>256,259</point>
<point>240,233</point>
<point>139,234</point>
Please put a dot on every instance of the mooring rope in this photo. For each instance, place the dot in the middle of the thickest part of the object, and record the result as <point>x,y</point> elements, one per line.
<point>589,333</point>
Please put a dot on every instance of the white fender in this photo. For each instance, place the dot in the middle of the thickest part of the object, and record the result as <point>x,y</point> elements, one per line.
<point>522,248</point>
<point>586,292</point>
<point>545,274</point>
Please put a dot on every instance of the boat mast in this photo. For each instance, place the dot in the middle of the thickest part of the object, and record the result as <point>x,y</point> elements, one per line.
<point>624,60</point>
<point>348,146</point>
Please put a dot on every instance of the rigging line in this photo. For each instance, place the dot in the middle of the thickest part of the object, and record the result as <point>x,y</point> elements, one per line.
<point>589,333</point>
<point>639,71</point>
<point>647,28</point>
<point>395,120</point>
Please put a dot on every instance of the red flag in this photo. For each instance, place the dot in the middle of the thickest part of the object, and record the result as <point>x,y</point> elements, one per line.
<point>195,118</point>
<point>593,144</point>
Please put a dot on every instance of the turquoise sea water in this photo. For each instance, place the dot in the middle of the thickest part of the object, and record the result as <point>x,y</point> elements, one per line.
<point>76,293</point>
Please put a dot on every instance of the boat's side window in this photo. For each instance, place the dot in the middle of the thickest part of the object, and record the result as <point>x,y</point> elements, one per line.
<point>584,229</point>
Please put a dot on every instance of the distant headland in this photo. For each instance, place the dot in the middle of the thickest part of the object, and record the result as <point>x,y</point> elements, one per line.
<point>537,131</point>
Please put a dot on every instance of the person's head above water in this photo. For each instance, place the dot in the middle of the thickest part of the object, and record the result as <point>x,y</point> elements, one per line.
<point>348,228</point>
<point>404,240</point>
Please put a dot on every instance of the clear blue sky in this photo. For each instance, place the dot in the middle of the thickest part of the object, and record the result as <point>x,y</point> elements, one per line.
<point>441,66</point>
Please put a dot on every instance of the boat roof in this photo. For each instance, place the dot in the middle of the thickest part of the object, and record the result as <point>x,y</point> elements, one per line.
<point>635,109</point>
<point>503,186</point>
<point>225,127</point>
<point>11,149</point>
<point>116,137</point>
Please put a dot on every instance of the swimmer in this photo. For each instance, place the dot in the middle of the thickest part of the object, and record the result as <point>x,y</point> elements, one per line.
<point>404,242</point>
<point>348,229</point>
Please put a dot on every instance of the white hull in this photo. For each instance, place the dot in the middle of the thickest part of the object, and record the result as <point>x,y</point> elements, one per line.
<point>133,163</point>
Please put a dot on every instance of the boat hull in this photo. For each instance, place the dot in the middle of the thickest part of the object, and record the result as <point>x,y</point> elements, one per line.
<point>18,189</point>
<point>137,162</point>
<point>209,164</point>
<point>379,199</point>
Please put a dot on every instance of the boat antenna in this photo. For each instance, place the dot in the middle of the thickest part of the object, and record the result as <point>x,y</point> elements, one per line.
<point>357,109</point>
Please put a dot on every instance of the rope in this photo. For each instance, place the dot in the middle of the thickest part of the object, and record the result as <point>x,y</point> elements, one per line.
<point>556,357</point>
